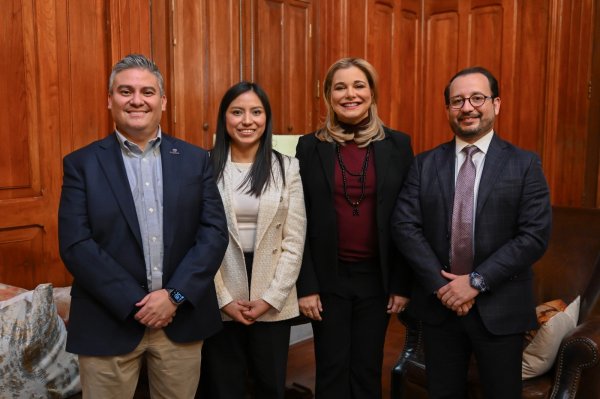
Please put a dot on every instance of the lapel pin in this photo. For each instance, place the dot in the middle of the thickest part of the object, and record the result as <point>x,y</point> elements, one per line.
<point>174,151</point>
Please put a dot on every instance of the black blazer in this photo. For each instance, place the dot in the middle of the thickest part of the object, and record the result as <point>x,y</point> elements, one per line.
<point>393,156</point>
<point>512,228</point>
<point>101,245</point>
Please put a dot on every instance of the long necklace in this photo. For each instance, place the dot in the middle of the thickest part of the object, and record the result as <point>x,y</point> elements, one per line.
<point>362,177</point>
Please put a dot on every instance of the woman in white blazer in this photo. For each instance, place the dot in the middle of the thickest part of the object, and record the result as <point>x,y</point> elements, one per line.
<point>256,284</point>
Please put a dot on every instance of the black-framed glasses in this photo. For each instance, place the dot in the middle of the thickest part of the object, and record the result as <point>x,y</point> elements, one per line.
<point>476,100</point>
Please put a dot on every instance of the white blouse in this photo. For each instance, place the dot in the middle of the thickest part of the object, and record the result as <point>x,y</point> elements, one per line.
<point>245,207</point>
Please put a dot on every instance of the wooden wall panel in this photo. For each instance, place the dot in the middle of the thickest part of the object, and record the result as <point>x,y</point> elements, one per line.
<point>356,32</point>
<point>524,108</point>
<point>490,35</point>
<point>19,163</point>
<point>83,73</point>
<point>206,60</point>
<point>130,29</point>
<point>299,100</point>
<point>592,178</point>
<point>224,54</point>
<point>441,62</point>
<point>409,88</point>
<point>381,50</point>
<point>269,63</point>
<point>189,77</point>
<point>284,62</point>
<point>161,22</point>
<point>485,37</point>
<point>340,32</point>
<point>21,251</point>
<point>568,153</point>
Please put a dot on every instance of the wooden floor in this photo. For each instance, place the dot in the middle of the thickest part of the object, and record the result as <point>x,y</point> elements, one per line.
<point>301,361</point>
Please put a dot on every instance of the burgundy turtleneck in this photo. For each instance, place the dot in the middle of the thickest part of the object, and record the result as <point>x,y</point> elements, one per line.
<point>357,234</point>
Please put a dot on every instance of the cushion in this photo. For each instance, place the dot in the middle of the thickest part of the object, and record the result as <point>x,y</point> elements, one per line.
<point>556,322</point>
<point>33,361</point>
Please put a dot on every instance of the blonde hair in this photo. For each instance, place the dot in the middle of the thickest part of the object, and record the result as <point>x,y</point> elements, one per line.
<point>331,130</point>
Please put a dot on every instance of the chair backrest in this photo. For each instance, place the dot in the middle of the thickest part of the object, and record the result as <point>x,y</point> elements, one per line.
<point>571,265</point>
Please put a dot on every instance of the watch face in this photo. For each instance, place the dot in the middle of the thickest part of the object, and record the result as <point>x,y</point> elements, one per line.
<point>177,296</point>
<point>477,282</point>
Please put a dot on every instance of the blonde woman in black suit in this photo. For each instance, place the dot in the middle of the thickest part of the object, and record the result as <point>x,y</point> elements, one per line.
<point>352,276</point>
<point>263,200</point>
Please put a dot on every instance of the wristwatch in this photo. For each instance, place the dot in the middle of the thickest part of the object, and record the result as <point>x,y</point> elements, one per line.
<point>476,280</point>
<point>175,296</point>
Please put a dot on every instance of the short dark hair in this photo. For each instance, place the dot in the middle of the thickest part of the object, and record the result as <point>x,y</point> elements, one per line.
<point>471,70</point>
<point>261,171</point>
<point>136,61</point>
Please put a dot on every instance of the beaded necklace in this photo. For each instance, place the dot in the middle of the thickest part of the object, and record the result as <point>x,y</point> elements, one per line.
<point>362,177</point>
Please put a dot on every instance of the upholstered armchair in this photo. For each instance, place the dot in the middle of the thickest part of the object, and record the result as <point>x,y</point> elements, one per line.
<point>570,267</point>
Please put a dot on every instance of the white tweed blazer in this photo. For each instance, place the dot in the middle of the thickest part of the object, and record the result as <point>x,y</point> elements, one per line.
<point>278,248</point>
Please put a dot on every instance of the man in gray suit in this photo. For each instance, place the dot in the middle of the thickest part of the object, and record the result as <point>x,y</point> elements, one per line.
<point>472,218</point>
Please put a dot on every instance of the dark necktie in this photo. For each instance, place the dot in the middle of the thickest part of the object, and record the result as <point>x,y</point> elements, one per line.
<point>461,256</point>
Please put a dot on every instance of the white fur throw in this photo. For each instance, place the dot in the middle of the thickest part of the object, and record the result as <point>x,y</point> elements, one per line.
<point>33,361</point>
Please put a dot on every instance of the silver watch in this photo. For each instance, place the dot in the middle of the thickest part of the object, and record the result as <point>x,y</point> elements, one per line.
<point>476,280</point>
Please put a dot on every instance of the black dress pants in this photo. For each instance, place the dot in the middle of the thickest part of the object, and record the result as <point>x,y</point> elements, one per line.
<point>237,352</point>
<point>448,349</point>
<point>349,340</point>
<point>259,351</point>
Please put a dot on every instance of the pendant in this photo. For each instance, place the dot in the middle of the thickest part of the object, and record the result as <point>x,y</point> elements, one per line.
<point>355,211</point>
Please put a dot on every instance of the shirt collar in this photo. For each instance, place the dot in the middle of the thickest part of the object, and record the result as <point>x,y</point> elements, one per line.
<point>132,148</point>
<point>483,143</point>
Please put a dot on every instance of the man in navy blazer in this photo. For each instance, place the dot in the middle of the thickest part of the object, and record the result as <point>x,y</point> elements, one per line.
<point>486,310</point>
<point>143,231</point>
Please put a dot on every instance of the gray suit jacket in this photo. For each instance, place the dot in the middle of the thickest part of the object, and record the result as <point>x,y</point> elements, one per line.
<point>512,228</point>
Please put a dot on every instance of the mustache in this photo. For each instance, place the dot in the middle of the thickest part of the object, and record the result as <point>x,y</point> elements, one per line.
<point>469,115</point>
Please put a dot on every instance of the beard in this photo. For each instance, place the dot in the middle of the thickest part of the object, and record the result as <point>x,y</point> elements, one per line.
<point>473,131</point>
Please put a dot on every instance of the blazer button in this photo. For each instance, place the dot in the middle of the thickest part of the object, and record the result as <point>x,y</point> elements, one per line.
<point>278,225</point>
<point>280,199</point>
<point>274,251</point>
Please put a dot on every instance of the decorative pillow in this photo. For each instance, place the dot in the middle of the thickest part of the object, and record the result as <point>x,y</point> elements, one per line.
<point>539,355</point>
<point>33,361</point>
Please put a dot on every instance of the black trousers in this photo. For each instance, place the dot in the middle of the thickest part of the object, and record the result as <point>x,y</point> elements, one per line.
<point>448,350</point>
<point>237,352</point>
<point>349,340</point>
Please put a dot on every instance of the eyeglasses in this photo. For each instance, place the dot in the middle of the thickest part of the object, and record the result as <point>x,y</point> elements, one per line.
<point>476,100</point>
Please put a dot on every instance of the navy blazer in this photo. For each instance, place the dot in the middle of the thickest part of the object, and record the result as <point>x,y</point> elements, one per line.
<point>101,245</point>
<point>393,156</point>
<point>512,228</point>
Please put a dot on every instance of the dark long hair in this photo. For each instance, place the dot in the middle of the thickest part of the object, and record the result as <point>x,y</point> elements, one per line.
<point>261,173</point>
